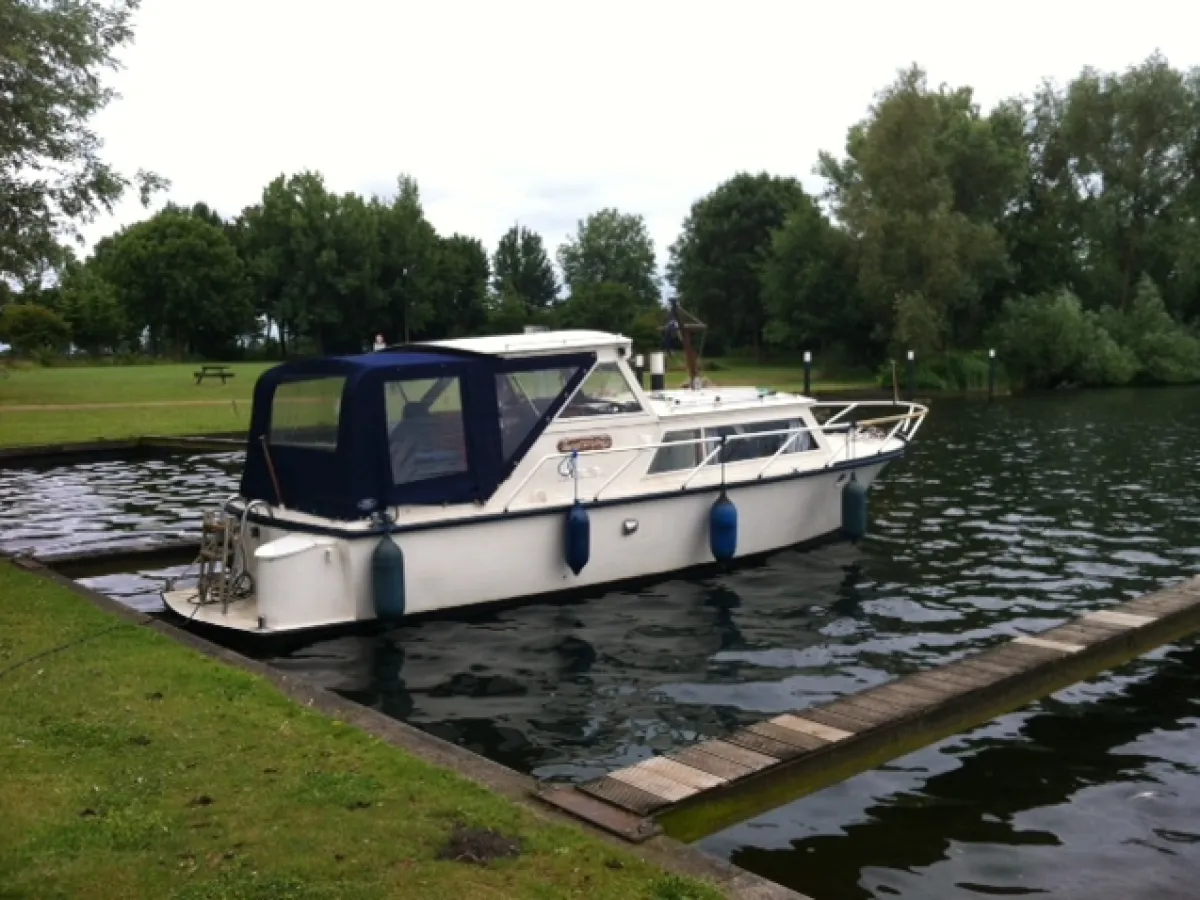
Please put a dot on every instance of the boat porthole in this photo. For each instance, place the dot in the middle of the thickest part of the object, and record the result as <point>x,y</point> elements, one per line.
<point>629,526</point>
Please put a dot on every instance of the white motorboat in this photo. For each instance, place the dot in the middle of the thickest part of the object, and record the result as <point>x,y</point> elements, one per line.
<point>462,472</point>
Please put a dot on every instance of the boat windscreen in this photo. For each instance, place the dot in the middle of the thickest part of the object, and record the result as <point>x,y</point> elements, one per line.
<point>524,399</point>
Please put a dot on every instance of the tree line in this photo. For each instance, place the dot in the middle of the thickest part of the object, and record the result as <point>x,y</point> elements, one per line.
<point>1061,228</point>
<point>309,271</point>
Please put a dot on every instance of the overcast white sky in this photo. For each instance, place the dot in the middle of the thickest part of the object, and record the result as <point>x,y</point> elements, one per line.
<point>539,112</point>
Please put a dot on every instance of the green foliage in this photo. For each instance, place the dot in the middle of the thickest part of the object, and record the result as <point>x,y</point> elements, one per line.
<point>923,185</point>
<point>1165,352</point>
<point>716,264</point>
<point>181,278</point>
<point>508,314</point>
<point>30,328</point>
<point>604,306</point>
<point>1049,340</point>
<point>94,311</point>
<point>646,330</point>
<point>920,326</point>
<point>611,247</point>
<point>952,370</point>
<point>458,287</point>
<point>54,57</point>
<point>521,268</point>
<point>809,286</point>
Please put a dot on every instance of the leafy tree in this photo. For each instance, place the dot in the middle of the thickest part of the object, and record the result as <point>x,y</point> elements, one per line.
<point>924,183</point>
<point>52,57</point>
<point>611,247</point>
<point>521,268</point>
<point>181,278</point>
<point>920,326</point>
<point>508,314</point>
<point>1131,144</point>
<point>289,255</point>
<point>461,279</point>
<point>30,328</point>
<point>716,263</point>
<point>809,287</point>
<point>605,306</point>
<point>409,259</point>
<point>92,308</point>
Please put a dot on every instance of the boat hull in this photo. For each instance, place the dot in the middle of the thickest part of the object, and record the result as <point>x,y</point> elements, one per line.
<point>502,558</point>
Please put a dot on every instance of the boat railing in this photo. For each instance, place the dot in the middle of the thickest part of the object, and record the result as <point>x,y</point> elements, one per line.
<point>904,426</point>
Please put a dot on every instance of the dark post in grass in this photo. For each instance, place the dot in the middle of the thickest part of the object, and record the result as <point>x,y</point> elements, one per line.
<point>991,374</point>
<point>807,372</point>
<point>911,389</point>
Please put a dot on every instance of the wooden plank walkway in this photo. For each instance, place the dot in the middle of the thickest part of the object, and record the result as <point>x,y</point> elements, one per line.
<point>697,790</point>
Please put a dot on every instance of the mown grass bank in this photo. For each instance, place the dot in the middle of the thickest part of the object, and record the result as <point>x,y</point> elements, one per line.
<point>135,767</point>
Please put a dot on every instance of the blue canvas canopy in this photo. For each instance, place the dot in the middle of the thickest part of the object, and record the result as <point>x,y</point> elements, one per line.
<point>342,437</point>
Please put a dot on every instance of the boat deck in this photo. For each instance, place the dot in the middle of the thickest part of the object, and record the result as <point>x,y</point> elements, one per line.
<point>698,790</point>
<point>239,614</point>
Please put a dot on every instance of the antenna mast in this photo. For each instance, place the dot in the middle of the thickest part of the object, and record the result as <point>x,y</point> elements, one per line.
<point>685,323</point>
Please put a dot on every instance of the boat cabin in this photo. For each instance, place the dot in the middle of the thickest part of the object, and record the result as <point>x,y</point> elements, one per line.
<point>434,424</point>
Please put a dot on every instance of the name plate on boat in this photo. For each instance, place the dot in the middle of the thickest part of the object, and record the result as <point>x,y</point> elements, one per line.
<point>583,444</point>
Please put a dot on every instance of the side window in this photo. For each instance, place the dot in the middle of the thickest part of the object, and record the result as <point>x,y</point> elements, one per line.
<point>426,437</point>
<point>306,413</point>
<point>683,456</point>
<point>524,398</point>
<point>605,392</point>
<point>749,447</point>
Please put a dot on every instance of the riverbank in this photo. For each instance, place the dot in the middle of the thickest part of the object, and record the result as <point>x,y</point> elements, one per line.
<point>138,767</point>
<point>79,404</point>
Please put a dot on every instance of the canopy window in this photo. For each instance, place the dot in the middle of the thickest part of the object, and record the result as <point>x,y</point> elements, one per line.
<point>347,436</point>
<point>427,436</point>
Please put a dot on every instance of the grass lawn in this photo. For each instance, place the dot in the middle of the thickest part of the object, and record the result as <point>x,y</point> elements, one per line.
<point>80,403</point>
<point>136,767</point>
<point>122,384</point>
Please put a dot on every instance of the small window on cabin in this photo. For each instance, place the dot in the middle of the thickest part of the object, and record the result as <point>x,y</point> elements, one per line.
<point>306,413</point>
<point>745,446</point>
<point>605,392</point>
<point>523,399</point>
<point>426,434</point>
<point>682,456</point>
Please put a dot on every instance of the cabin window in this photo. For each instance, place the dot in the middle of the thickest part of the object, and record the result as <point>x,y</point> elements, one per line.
<point>426,434</point>
<point>683,456</point>
<point>605,392</point>
<point>746,448</point>
<point>306,413</point>
<point>524,398</point>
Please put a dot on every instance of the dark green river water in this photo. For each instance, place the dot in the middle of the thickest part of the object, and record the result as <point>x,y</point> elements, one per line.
<point>1009,516</point>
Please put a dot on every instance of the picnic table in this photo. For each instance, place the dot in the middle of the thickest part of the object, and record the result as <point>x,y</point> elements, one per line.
<point>213,370</point>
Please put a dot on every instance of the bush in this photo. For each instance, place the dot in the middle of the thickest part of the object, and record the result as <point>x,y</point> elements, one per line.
<point>1049,341</point>
<point>33,329</point>
<point>1162,351</point>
